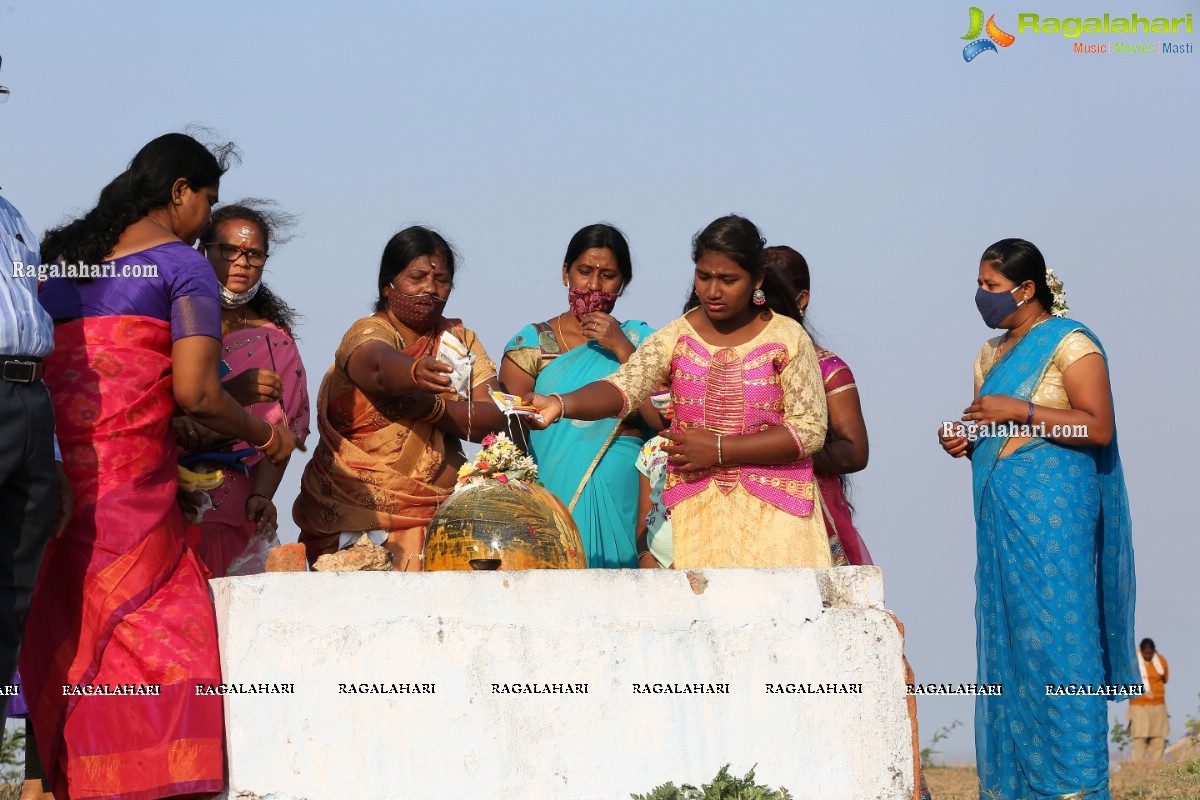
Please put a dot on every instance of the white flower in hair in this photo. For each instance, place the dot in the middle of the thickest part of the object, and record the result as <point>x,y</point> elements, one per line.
<point>1059,307</point>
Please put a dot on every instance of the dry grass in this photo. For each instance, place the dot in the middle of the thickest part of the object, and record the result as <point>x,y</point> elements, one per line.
<point>1174,782</point>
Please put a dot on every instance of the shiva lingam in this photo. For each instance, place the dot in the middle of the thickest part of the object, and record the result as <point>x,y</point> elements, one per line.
<point>499,518</point>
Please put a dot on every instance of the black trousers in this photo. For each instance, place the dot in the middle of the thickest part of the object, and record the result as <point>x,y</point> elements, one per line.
<point>28,508</point>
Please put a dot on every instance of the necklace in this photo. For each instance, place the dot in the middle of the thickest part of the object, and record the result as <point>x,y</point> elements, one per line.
<point>562,340</point>
<point>1008,343</point>
<point>159,224</point>
<point>237,323</point>
<point>427,347</point>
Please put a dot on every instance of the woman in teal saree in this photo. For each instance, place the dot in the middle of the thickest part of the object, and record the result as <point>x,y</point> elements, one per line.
<point>1054,576</point>
<point>590,466</point>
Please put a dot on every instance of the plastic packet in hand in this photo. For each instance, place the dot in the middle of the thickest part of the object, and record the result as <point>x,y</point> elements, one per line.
<point>453,352</point>
<point>661,401</point>
<point>253,559</point>
<point>510,404</point>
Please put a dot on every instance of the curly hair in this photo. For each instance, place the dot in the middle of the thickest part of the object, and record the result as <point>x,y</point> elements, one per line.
<point>275,225</point>
<point>145,185</point>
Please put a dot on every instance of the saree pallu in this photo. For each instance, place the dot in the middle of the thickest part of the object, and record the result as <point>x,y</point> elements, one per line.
<point>121,600</point>
<point>588,465</point>
<point>378,478</point>
<point>1055,597</point>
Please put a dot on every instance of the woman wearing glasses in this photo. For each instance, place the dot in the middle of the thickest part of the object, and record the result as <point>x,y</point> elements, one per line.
<point>258,345</point>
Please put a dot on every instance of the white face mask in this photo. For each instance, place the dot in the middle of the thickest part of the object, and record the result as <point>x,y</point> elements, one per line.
<point>237,299</point>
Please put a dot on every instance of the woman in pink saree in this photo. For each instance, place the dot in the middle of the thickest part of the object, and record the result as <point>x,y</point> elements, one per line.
<point>259,347</point>
<point>845,449</point>
<point>121,616</point>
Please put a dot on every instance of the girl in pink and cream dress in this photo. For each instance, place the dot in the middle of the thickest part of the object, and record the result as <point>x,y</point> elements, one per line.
<point>750,411</point>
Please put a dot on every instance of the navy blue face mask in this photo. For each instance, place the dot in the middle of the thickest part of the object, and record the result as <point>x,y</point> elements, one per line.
<point>995,307</point>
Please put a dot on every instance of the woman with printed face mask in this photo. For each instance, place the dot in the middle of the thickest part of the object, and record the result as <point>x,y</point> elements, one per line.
<point>259,347</point>
<point>391,416</point>
<point>588,465</point>
<point>749,411</point>
<point>1054,573</point>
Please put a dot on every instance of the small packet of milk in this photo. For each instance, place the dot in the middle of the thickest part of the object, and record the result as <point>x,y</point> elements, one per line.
<point>453,352</point>
<point>511,404</point>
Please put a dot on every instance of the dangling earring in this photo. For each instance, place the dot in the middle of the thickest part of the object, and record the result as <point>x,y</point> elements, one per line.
<point>759,297</point>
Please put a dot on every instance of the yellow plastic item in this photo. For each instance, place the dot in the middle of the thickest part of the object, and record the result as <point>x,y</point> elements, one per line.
<point>191,481</point>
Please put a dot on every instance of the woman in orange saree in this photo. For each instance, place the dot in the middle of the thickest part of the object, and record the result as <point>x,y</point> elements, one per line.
<point>390,417</point>
<point>121,629</point>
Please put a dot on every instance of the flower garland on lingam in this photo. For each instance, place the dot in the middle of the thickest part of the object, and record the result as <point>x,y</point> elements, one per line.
<point>499,460</point>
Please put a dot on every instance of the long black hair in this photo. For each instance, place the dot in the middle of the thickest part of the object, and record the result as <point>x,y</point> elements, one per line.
<point>1020,261</point>
<point>401,249</point>
<point>145,185</point>
<point>738,239</point>
<point>602,235</point>
<point>275,225</point>
<point>791,267</point>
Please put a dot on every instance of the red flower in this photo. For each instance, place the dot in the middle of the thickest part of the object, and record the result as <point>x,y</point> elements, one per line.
<point>483,465</point>
<point>502,478</point>
<point>489,440</point>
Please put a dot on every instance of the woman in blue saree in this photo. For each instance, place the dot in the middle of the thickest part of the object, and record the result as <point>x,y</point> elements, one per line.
<point>590,466</point>
<point>1055,580</point>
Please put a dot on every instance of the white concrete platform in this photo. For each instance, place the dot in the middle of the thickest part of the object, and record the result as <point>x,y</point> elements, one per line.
<point>608,645</point>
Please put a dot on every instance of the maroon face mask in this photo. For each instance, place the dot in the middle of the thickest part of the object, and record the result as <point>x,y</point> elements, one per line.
<point>418,311</point>
<point>585,301</point>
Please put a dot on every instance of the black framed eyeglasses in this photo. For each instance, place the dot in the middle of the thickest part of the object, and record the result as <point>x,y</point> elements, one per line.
<point>231,253</point>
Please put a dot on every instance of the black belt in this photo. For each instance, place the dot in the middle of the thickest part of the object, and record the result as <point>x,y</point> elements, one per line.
<point>21,369</point>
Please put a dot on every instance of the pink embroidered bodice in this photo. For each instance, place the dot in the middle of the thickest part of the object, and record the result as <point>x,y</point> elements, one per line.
<point>726,394</point>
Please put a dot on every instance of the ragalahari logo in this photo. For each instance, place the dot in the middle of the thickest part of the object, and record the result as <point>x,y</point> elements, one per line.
<point>994,35</point>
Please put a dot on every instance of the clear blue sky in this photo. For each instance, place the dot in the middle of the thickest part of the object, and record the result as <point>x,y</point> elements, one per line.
<point>853,132</point>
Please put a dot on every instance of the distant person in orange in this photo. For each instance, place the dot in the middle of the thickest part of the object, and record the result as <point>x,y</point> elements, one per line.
<point>1148,725</point>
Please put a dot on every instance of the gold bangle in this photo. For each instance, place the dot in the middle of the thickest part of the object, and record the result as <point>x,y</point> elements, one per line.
<point>720,457</point>
<point>412,373</point>
<point>270,441</point>
<point>437,412</point>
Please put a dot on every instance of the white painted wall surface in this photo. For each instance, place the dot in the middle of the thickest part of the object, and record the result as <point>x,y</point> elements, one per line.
<point>610,629</point>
